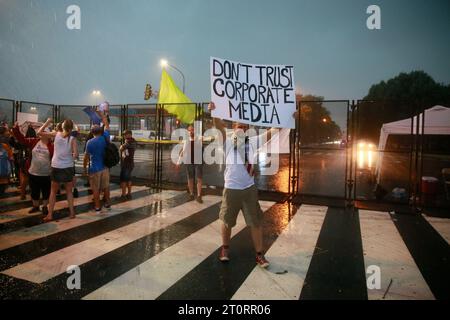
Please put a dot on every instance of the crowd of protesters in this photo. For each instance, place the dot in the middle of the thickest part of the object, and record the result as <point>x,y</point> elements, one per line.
<point>43,161</point>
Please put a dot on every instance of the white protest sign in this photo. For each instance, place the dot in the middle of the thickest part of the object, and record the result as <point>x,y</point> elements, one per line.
<point>262,95</point>
<point>23,117</point>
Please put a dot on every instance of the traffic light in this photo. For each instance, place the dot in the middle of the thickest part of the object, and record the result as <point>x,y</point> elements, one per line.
<point>148,92</point>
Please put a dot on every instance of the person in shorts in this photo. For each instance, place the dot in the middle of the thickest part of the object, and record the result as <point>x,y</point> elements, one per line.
<point>38,168</point>
<point>98,172</point>
<point>240,192</point>
<point>75,133</point>
<point>194,169</point>
<point>65,151</point>
<point>126,167</point>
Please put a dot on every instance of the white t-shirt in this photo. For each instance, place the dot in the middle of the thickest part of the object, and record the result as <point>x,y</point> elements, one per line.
<point>236,175</point>
<point>40,160</point>
<point>62,157</point>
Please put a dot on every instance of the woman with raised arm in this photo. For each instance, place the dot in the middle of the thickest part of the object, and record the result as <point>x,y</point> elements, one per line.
<point>37,167</point>
<point>62,164</point>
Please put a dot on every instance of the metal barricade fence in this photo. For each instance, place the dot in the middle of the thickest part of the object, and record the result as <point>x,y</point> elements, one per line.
<point>338,149</point>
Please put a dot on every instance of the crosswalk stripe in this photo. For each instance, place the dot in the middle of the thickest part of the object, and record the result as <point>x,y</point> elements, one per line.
<point>212,279</point>
<point>10,192</point>
<point>51,265</point>
<point>290,257</point>
<point>145,282</point>
<point>337,267</point>
<point>383,247</point>
<point>22,236</point>
<point>15,200</point>
<point>441,225</point>
<point>59,205</point>
<point>429,249</point>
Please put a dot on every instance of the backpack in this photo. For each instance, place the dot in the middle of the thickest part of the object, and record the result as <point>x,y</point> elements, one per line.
<point>112,156</point>
<point>5,164</point>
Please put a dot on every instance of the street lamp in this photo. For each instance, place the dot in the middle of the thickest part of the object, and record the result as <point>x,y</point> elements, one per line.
<point>165,64</point>
<point>96,94</point>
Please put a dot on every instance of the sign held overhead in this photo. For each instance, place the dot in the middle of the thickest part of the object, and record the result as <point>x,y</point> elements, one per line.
<point>262,95</point>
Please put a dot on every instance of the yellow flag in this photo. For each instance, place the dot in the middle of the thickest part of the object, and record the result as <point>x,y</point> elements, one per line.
<point>169,93</point>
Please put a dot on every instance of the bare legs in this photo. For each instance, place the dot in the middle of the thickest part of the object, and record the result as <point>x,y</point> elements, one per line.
<point>257,237</point>
<point>123,186</point>
<point>191,186</point>
<point>226,235</point>
<point>106,196</point>
<point>69,194</point>
<point>23,180</point>
<point>96,195</point>
<point>126,185</point>
<point>52,200</point>
<point>199,186</point>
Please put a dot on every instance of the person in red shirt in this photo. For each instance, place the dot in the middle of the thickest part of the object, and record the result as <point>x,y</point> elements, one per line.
<point>37,167</point>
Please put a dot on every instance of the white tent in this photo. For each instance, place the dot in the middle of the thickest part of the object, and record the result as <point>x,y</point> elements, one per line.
<point>437,121</point>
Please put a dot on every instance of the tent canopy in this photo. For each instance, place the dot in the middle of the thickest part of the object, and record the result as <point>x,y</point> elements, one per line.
<point>437,121</point>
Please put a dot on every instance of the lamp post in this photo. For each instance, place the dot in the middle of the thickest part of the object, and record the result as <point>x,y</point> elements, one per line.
<point>165,63</point>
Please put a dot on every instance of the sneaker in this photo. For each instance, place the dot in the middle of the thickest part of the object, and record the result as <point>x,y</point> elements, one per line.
<point>107,206</point>
<point>34,210</point>
<point>45,210</point>
<point>191,197</point>
<point>75,193</point>
<point>261,261</point>
<point>199,199</point>
<point>98,210</point>
<point>128,196</point>
<point>123,197</point>
<point>223,255</point>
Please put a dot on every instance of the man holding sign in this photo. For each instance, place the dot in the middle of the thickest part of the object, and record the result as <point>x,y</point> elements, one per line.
<point>247,94</point>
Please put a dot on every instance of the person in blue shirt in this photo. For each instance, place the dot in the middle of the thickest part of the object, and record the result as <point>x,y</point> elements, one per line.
<point>98,172</point>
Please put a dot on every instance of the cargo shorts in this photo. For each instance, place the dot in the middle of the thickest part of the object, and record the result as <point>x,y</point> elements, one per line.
<point>246,200</point>
<point>99,181</point>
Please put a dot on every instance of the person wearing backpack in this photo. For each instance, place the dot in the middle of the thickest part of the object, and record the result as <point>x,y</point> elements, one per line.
<point>240,192</point>
<point>97,149</point>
